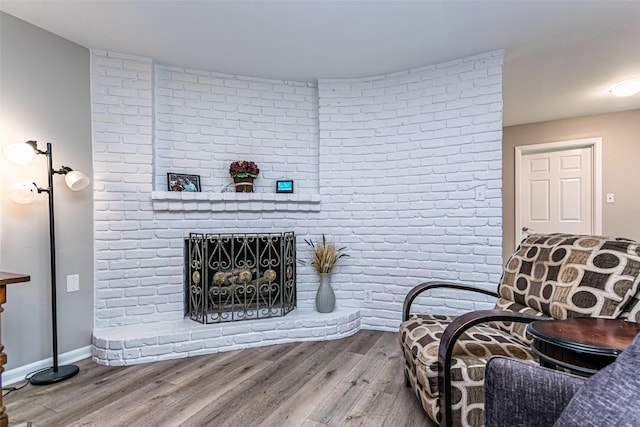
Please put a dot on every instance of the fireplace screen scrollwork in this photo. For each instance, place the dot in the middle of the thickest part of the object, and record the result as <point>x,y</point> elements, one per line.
<point>240,276</point>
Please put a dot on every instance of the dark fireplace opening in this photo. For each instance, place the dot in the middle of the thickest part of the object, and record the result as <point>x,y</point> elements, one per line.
<point>239,276</point>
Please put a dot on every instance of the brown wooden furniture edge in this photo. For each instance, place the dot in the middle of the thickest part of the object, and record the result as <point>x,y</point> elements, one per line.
<point>6,278</point>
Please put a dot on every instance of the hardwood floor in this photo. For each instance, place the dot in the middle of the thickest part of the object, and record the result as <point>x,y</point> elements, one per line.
<point>355,381</point>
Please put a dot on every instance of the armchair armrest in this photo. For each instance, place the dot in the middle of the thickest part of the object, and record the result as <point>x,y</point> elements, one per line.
<point>522,394</point>
<point>448,340</point>
<point>422,287</point>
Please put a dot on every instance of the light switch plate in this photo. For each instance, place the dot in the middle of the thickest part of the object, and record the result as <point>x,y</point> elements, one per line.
<point>73,282</point>
<point>368,295</point>
<point>611,198</point>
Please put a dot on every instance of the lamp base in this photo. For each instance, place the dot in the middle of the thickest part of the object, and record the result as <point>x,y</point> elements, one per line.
<point>50,377</point>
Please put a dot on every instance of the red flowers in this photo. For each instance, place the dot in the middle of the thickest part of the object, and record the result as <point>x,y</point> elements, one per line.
<point>243,169</point>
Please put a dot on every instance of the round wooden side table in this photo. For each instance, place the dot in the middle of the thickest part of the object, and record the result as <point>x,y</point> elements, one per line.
<point>582,344</point>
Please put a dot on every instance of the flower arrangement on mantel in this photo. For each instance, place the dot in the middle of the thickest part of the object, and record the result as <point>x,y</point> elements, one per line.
<point>243,174</point>
<point>243,169</point>
<point>325,255</point>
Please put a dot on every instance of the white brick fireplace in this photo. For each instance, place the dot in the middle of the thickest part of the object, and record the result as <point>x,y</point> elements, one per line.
<point>403,169</point>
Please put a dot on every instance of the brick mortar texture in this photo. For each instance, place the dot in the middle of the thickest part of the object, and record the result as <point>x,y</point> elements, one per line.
<point>396,159</point>
<point>205,121</point>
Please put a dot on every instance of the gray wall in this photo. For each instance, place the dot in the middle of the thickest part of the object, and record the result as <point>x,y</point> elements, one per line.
<point>45,96</point>
<point>620,172</point>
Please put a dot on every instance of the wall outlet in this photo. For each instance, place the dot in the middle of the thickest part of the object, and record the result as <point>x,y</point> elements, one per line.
<point>611,198</point>
<point>368,295</point>
<point>480,190</point>
<point>73,282</point>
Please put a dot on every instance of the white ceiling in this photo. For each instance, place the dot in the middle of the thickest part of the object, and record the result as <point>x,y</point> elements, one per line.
<point>561,56</point>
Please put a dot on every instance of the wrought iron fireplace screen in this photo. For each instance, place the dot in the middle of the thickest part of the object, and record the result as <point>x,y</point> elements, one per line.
<point>240,276</point>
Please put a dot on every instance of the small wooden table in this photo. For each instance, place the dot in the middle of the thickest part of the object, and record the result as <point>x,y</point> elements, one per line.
<point>582,344</point>
<point>6,279</point>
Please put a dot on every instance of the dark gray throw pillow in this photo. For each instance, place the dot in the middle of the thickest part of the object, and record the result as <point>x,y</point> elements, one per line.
<point>610,397</point>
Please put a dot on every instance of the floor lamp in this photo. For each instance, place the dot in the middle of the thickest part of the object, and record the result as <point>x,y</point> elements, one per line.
<point>26,192</point>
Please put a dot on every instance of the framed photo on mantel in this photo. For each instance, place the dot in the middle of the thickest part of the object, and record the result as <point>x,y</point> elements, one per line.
<point>183,182</point>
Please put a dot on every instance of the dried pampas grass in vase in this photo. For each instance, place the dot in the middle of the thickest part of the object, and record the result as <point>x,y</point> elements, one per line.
<point>324,258</point>
<point>325,255</point>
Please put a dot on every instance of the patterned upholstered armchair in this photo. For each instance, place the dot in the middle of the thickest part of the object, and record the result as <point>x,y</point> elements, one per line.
<point>554,276</point>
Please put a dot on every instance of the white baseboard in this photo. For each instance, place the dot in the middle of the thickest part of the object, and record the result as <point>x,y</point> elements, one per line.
<point>18,374</point>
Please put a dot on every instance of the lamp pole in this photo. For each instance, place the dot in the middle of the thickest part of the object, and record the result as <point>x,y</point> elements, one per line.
<point>55,373</point>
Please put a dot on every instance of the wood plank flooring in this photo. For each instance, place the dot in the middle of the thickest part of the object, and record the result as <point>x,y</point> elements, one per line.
<point>355,381</point>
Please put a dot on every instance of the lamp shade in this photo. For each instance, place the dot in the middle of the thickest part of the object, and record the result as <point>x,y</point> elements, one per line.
<point>23,192</point>
<point>19,153</point>
<point>76,180</point>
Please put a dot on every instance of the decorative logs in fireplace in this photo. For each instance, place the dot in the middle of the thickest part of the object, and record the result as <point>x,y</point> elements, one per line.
<point>240,276</point>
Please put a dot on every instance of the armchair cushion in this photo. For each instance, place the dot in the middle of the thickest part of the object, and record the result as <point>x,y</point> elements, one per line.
<point>632,309</point>
<point>517,329</point>
<point>610,397</point>
<point>420,339</point>
<point>564,275</point>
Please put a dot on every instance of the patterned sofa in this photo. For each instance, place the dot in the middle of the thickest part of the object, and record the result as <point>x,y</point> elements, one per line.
<point>555,276</point>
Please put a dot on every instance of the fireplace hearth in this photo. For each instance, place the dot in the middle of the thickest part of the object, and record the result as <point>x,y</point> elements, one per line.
<point>240,276</point>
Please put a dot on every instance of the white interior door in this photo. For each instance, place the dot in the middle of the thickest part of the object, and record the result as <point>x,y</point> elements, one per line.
<point>556,189</point>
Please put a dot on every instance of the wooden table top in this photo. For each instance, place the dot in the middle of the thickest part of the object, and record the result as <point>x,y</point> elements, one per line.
<point>7,278</point>
<point>588,334</point>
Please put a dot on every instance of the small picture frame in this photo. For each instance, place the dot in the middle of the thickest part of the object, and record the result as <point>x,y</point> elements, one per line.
<point>284,186</point>
<point>183,182</point>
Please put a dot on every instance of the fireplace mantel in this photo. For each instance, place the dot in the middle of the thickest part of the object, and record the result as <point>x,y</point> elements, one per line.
<point>224,202</point>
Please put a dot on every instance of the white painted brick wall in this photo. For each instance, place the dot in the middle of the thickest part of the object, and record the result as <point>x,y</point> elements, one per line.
<point>410,149</point>
<point>122,115</point>
<point>387,166</point>
<point>207,120</point>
